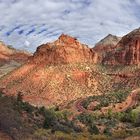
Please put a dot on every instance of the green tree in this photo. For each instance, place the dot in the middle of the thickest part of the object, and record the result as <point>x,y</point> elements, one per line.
<point>50,119</point>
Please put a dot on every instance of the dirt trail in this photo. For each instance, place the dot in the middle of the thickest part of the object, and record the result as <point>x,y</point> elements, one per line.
<point>131,101</point>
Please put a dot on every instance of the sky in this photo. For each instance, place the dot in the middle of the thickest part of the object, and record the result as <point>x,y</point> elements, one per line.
<point>25,24</point>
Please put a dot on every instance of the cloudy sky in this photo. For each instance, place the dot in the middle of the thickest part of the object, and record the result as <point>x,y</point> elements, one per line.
<point>25,24</point>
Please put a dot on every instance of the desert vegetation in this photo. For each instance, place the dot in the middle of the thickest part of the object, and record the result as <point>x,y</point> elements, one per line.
<point>106,99</point>
<point>67,91</point>
<point>22,121</point>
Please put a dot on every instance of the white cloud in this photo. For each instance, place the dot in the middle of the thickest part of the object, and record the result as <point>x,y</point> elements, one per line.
<point>45,20</point>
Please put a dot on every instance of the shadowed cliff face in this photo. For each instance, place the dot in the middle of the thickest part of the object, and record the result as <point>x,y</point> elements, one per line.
<point>127,51</point>
<point>65,50</point>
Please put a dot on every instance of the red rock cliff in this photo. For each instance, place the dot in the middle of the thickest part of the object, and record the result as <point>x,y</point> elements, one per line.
<point>64,50</point>
<point>127,51</point>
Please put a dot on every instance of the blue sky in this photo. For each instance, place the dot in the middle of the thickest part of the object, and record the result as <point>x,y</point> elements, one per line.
<point>25,24</point>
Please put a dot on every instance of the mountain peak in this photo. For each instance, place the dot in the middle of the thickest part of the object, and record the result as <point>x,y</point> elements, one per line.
<point>109,40</point>
<point>110,35</point>
<point>127,50</point>
<point>106,45</point>
<point>4,49</point>
<point>65,49</point>
<point>67,39</point>
<point>66,36</point>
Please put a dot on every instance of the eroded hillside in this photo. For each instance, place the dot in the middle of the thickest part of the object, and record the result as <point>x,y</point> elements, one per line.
<point>11,58</point>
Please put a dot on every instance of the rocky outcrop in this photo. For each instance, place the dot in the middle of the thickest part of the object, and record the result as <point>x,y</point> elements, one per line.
<point>64,50</point>
<point>127,51</point>
<point>106,45</point>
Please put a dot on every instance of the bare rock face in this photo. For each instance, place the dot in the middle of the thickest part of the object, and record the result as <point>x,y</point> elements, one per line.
<point>127,51</point>
<point>106,45</point>
<point>64,50</point>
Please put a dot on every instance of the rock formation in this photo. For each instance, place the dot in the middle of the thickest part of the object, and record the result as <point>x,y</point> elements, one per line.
<point>127,51</point>
<point>106,45</point>
<point>64,50</point>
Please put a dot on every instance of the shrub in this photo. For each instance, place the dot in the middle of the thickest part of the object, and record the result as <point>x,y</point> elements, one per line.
<point>93,129</point>
<point>99,137</point>
<point>106,99</point>
<point>0,94</point>
<point>10,119</point>
<point>135,116</point>
<point>50,118</point>
<point>62,136</point>
<point>24,106</point>
<point>86,118</point>
<point>19,97</point>
<point>120,134</point>
<point>42,132</point>
<point>107,131</point>
<point>42,110</point>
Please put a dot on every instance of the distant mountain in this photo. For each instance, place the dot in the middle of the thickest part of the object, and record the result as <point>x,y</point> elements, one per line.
<point>127,51</point>
<point>107,44</point>
<point>109,40</point>
<point>11,58</point>
<point>7,53</point>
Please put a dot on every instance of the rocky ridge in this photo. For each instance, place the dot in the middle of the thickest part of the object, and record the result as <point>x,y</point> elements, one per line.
<point>127,51</point>
<point>8,54</point>
<point>106,45</point>
<point>64,50</point>
<point>11,58</point>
